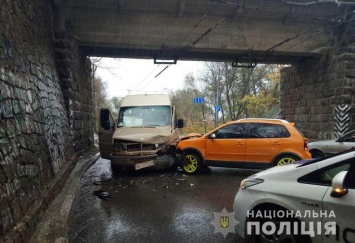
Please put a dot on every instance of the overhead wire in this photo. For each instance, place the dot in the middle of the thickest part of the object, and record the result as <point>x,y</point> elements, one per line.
<point>199,21</point>
<point>222,19</point>
<point>196,41</point>
<point>307,31</point>
<point>250,8</point>
<point>296,36</point>
<point>150,81</point>
<point>187,48</point>
<point>161,71</point>
<point>208,31</point>
<point>318,32</point>
<point>143,79</point>
<point>291,38</point>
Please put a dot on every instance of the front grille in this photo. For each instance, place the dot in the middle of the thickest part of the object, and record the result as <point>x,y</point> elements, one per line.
<point>148,147</point>
<point>134,146</point>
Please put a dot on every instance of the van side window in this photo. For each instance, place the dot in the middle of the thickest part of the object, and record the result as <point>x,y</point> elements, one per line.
<point>106,119</point>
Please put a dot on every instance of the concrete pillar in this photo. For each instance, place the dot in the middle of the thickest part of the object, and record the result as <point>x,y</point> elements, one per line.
<point>319,95</point>
<point>74,71</point>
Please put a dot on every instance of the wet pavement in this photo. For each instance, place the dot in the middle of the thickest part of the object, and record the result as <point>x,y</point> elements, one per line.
<point>53,223</point>
<point>152,205</point>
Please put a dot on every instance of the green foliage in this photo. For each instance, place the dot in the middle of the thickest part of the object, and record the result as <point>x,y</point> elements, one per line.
<point>260,104</point>
<point>241,92</point>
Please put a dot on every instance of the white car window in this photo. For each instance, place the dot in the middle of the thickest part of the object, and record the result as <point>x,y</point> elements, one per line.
<point>328,175</point>
<point>325,175</point>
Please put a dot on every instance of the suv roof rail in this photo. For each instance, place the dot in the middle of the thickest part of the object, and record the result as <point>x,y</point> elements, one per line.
<point>264,119</point>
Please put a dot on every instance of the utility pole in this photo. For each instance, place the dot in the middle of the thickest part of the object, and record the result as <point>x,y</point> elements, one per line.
<point>215,111</point>
<point>201,100</point>
<point>203,115</point>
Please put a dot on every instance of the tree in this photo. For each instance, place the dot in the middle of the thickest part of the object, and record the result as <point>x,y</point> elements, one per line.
<point>268,95</point>
<point>115,104</point>
<point>101,99</point>
<point>195,115</point>
<point>100,93</point>
<point>236,89</point>
<point>241,92</point>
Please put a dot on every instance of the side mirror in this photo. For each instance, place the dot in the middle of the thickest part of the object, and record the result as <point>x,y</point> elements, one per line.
<point>180,123</point>
<point>338,189</point>
<point>213,135</point>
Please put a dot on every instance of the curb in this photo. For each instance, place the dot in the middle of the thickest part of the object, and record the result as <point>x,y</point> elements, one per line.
<point>53,224</point>
<point>53,227</point>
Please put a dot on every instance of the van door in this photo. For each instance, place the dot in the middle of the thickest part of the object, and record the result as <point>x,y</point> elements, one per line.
<point>106,129</point>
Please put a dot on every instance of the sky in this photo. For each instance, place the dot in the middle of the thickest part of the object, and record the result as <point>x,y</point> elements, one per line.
<point>132,76</point>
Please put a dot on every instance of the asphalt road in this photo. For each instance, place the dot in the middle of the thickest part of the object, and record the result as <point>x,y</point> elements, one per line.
<point>153,205</point>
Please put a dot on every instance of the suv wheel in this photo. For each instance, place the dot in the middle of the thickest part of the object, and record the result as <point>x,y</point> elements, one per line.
<point>284,159</point>
<point>191,162</point>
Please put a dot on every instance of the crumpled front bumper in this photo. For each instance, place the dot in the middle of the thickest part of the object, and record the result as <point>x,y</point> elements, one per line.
<point>131,160</point>
<point>159,162</point>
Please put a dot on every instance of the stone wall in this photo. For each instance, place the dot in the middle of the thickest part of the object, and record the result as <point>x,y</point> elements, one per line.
<point>311,91</point>
<point>46,112</point>
<point>74,72</point>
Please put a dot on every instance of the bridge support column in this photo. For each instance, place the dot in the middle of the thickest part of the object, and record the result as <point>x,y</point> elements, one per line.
<point>74,71</point>
<point>319,95</point>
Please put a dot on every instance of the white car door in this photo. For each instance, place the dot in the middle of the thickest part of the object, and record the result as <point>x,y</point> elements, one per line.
<point>343,209</point>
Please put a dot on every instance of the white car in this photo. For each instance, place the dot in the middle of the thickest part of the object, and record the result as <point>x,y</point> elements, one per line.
<point>327,147</point>
<point>305,201</point>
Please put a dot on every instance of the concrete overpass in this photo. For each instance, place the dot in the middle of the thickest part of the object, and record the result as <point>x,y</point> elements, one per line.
<point>46,91</point>
<point>271,31</point>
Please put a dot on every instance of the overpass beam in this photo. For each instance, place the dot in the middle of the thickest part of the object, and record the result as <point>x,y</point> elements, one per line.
<point>181,8</point>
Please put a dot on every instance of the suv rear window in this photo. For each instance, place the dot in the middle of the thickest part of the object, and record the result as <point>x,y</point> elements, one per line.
<point>299,131</point>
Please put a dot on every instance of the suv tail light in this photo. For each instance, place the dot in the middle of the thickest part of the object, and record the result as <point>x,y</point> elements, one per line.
<point>305,143</point>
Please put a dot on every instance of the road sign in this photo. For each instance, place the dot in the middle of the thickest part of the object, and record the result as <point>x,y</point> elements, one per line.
<point>199,100</point>
<point>217,108</point>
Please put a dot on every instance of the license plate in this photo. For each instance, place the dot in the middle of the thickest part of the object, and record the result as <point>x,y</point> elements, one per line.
<point>149,163</point>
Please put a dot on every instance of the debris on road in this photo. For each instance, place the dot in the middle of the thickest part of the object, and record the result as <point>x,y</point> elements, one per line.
<point>101,181</point>
<point>102,194</point>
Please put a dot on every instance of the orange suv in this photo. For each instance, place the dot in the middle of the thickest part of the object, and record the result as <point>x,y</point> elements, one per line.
<point>246,143</point>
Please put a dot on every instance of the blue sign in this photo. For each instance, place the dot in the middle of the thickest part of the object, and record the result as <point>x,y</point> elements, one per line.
<point>199,100</point>
<point>217,108</point>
